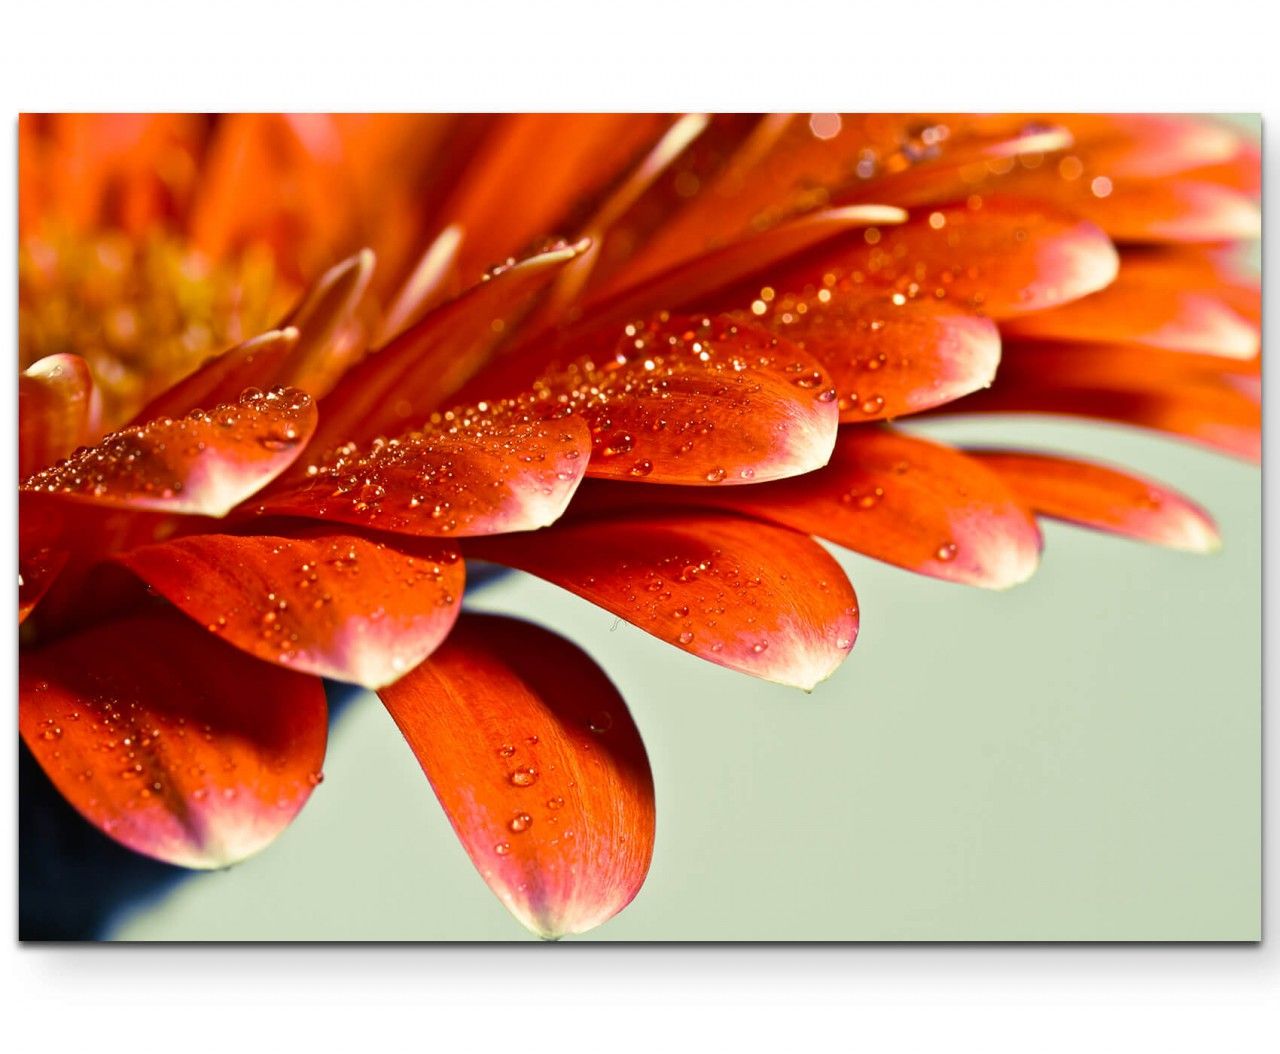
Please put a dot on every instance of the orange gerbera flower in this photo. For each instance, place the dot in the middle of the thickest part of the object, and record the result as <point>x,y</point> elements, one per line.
<point>240,478</point>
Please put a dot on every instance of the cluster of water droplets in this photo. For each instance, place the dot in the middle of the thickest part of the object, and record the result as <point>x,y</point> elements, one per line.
<point>155,460</point>
<point>678,391</point>
<point>459,466</point>
<point>537,806</point>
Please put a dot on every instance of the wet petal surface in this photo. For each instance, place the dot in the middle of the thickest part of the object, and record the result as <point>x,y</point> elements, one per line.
<point>1103,498</point>
<point>750,596</point>
<point>337,605</point>
<point>538,765</point>
<point>203,464</point>
<point>479,472</point>
<point>171,742</point>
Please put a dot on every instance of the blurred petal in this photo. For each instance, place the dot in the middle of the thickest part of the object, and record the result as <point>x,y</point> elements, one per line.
<point>37,569</point>
<point>325,320</point>
<point>794,163</point>
<point>1166,391</point>
<point>484,474</point>
<point>746,595</point>
<point>539,767</point>
<point>1149,145</point>
<point>1162,299</point>
<point>1103,498</point>
<point>202,464</point>
<point>337,605</point>
<point>561,163</point>
<point>686,285</point>
<point>171,742</point>
<point>55,402</point>
<point>1165,210</point>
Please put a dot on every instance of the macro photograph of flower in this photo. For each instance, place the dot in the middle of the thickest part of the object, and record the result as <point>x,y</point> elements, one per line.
<point>639,526</point>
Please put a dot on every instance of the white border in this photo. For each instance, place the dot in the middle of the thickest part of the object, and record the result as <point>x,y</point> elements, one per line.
<point>660,54</point>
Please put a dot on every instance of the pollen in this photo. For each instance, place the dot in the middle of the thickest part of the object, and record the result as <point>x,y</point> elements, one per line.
<point>142,313</point>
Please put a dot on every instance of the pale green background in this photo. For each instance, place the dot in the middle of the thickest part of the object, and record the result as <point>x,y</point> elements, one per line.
<point>1078,758</point>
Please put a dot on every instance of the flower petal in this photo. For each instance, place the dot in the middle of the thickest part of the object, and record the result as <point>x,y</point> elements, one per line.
<point>334,604</point>
<point>1164,210</point>
<point>398,386</point>
<point>887,358</point>
<point>203,464</point>
<point>559,162</point>
<point>326,320</point>
<point>686,285</point>
<point>698,401</point>
<point>746,595</point>
<point>898,498</point>
<point>221,379</point>
<point>37,569</point>
<point>793,163</point>
<point>539,767</point>
<point>1162,299</point>
<point>171,742</point>
<point>493,472</point>
<point>1103,498</point>
<point>999,255</point>
<point>1165,391</point>
<point>55,410</point>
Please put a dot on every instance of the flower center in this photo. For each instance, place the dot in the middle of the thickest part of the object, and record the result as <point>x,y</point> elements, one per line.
<point>142,313</point>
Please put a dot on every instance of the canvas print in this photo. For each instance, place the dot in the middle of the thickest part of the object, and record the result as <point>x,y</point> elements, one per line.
<point>447,527</point>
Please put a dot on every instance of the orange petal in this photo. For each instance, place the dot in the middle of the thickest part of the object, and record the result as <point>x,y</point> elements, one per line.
<point>37,569</point>
<point>55,404</point>
<point>330,336</point>
<point>687,284</point>
<point>891,496</point>
<point>1002,256</point>
<point>483,474</point>
<point>1167,209</point>
<point>337,605</point>
<point>698,401</point>
<point>886,358</point>
<point>221,379</point>
<point>1103,498</point>
<point>539,767</point>
<point>1149,145</point>
<point>667,151</point>
<point>276,179</point>
<point>793,163</point>
<point>1164,391</point>
<point>561,163</point>
<point>1162,299</point>
<point>398,386</point>
<point>1173,211</point>
<point>203,464</point>
<point>742,594</point>
<point>171,742</point>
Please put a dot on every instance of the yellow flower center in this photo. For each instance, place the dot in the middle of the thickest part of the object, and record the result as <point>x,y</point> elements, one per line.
<point>143,313</point>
